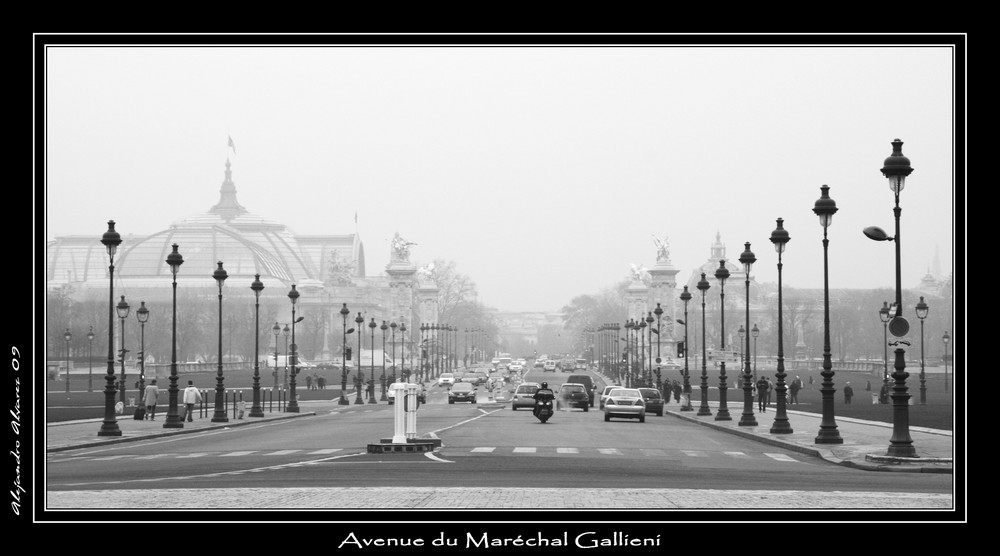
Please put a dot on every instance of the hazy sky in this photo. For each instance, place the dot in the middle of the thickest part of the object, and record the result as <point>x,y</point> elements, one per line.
<point>543,172</point>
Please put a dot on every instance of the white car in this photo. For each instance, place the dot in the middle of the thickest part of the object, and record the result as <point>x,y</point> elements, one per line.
<point>446,379</point>
<point>516,367</point>
<point>625,402</point>
<point>604,394</point>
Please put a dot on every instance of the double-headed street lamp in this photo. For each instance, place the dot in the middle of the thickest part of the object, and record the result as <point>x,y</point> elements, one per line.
<point>384,327</point>
<point>703,410</point>
<point>173,421</point>
<point>828,434</point>
<point>142,314</point>
<point>344,311</point>
<point>755,332</point>
<point>922,314</point>
<point>883,315</point>
<point>721,274</point>
<point>109,427</point>
<point>219,416</point>
<point>67,336</point>
<point>276,331</point>
<point>90,360</point>
<point>945,339</point>
<point>359,378</point>
<point>895,169</point>
<point>122,309</point>
<point>747,259</point>
<point>257,286</point>
<point>686,297</point>
<point>780,238</point>
<point>372,325</point>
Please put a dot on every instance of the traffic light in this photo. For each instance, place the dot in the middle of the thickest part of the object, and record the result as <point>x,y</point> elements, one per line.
<point>347,354</point>
<point>680,349</point>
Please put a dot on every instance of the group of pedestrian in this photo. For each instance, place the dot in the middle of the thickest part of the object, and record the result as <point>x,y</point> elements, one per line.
<point>315,382</point>
<point>191,396</point>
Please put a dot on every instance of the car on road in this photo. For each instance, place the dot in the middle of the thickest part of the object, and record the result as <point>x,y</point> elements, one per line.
<point>604,394</point>
<point>566,365</point>
<point>653,400</point>
<point>588,383</point>
<point>446,379</point>
<point>550,366</point>
<point>573,395</point>
<point>516,368</point>
<point>524,396</point>
<point>473,378</point>
<point>462,392</point>
<point>625,403</point>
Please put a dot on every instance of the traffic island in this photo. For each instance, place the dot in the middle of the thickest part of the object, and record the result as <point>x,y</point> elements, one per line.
<point>411,446</point>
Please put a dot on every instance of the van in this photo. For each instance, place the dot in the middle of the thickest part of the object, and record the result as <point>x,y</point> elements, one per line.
<point>587,382</point>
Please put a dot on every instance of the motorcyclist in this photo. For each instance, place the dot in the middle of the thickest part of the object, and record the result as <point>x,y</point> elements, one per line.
<point>544,393</point>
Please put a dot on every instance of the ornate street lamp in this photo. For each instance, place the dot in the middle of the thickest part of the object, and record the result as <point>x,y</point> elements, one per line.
<point>90,360</point>
<point>922,314</point>
<point>828,434</point>
<point>755,332</point>
<point>747,259</point>
<point>67,336</point>
<point>109,427</point>
<point>423,347</point>
<point>276,331</point>
<point>703,410</point>
<point>359,379</point>
<point>384,327</point>
<point>628,353</point>
<point>219,416</point>
<point>658,312</point>
<point>945,339</point>
<point>286,332</point>
<point>173,421</point>
<point>122,309</point>
<point>257,286</point>
<point>641,329</point>
<point>293,403</point>
<point>142,314</point>
<point>741,332</point>
<point>344,311</point>
<point>895,169</point>
<point>649,337</point>
<point>721,274</point>
<point>686,297</point>
<point>883,315</point>
<point>392,327</point>
<point>780,238</point>
<point>372,325</point>
<point>402,348</point>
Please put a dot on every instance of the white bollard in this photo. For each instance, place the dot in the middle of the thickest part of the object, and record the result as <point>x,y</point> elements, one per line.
<point>399,431</point>
<point>411,410</point>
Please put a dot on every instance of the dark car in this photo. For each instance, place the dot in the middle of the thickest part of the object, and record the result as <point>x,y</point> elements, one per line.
<point>462,392</point>
<point>573,395</point>
<point>587,383</point>
<point>653,399</point>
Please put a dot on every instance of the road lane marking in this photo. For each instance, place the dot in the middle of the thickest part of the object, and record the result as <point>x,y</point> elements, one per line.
<point>195,455</point>
<point>736,454</point>
<point>154,456</point>
<point>435,458</point>
<point>325,451</point>
<point>567,451</point>
<point>108,458</point>
<point>244,453</point>
<point>782,457</point>
<point>610,451</point>
<point>694,454</point>
<point>282,452</point>
<point>486,449</point>
<point>525,450</point>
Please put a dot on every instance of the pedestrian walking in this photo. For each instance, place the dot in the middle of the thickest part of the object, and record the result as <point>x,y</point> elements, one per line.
<point>371,389</point>
<point>770,387</point>
<point>810,380</point>
<point>794,388</point>
<point>848,392</point>
<point>322,382</point>
<point>191,396</point>
<point>868,386</point>
<point>150,395</point>
<point>762,393</point>
<point>309,382</point>
<point>883,393</point>
<point>677,391</point>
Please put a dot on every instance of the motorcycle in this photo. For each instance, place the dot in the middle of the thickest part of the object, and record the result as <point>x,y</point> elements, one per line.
<point>543,410</point>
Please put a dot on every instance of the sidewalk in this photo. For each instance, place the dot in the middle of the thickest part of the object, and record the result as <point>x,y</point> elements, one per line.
<point>864,446</point>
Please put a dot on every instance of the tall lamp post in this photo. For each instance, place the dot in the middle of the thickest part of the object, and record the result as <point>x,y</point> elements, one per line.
<point>922,314</point>
<point>142,314</point>
<point>721,274</point>
<point>628,353</point>
<point>67,336</point>
<point>747,258</point>
<point>219,416</point>
<point>90,360</point>
<point>883,315</point>
<point>372,325</point>
<point>392,327</point>
<point>780,238</point>
<point>344,311</point>
<point>173,421</point>
<point>755,332</point>
<point>825,208</point>
<point>384,327</point>
<point>402,347</point>
<point>286,332</point>
<point>257,286</point>
<point>123,310</point>
<point>703,410</point>
<point>659,313</point>
<point>686,297</point>
<point>895,169</point>
<point>649,337</point>
<point>293,403</point>
<point>945,339</point>
<point>641,329</point>
<point>276,331</point>
<point>359,379</point>
<point>109,427</point>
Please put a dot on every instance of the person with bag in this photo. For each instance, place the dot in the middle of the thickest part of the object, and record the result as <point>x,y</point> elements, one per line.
<point>150,395</point>
<point>191,397</point>
<point>762,391</point>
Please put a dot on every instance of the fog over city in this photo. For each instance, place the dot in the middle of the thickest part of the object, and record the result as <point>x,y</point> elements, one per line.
<point>543,172</point>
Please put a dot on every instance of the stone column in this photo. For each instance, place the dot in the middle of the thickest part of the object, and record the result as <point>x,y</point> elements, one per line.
<point>663,290</point>
<point>401,284</point>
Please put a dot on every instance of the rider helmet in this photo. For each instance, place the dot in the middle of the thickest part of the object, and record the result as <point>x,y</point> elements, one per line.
<point>545,385</point>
